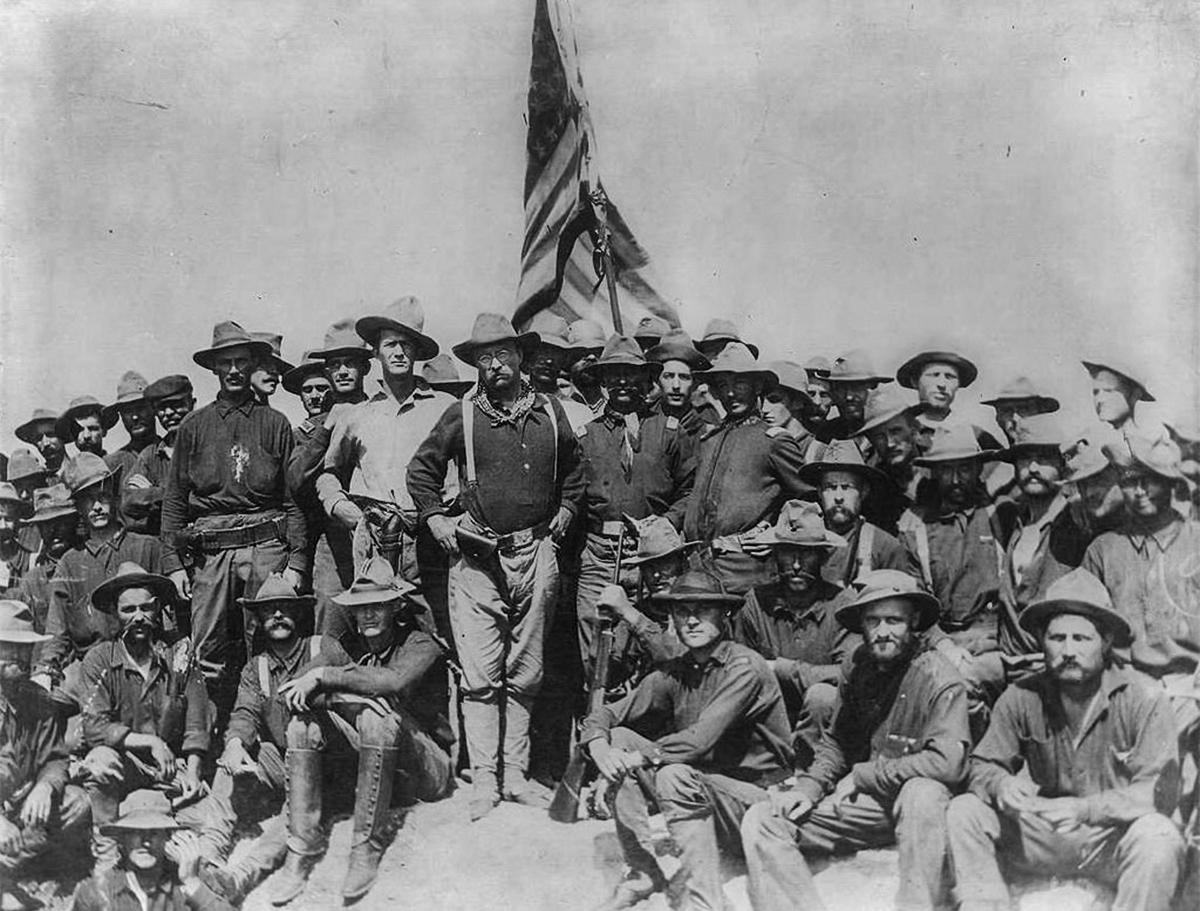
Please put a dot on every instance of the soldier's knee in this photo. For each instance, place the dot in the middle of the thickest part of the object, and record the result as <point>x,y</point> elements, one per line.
<point>968,816</point>
<point>303,733</point>
<point>924,799</point>
<point>820,699</point>
<point>761,826</point>
<point>1153,839</point>
<point>75,810</point>
<point>377,728</point>
<point>103,766</point>
<point>680,788</point>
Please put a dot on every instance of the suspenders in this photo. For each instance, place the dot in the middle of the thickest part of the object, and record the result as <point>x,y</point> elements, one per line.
<point>468,412</point>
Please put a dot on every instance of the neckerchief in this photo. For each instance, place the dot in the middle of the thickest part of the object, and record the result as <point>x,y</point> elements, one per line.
<point>521,407</point>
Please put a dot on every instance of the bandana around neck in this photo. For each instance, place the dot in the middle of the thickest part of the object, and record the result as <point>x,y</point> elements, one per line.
<point>521,407</point>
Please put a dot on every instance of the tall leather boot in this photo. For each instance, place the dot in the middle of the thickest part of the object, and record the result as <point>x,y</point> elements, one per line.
<point>373,798</point>
<point>481,725</point>
<point>304,823</point>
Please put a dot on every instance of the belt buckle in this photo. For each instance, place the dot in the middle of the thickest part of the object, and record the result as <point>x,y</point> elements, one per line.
<point>505,543</point>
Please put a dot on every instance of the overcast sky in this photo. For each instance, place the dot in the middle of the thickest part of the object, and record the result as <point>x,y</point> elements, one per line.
<point>830,174</point>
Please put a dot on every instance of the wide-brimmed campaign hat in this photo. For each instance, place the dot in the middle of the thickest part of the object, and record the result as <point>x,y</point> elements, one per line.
<point>377,583</point>
<point>28,432</point>
<point>800,524</point>
<point>657,538</point>
<point>8,494</point>
<point>791,376</point>
<point>586,337</point>
<point>50,503</point>
<point>16,624</point>
<point>650,330</point>
<point>818,366</point>
<point>720,332</point>
<point>910,370</point>
<point>228,334</point>
<point>85,470</point>
<point>143,810</point>
<point>131,575</point>
<point>887,402</point>
<point>131,390</point>
<point>406,316</point>
<point>552,329</point>
<point>737,358</point>
<point>442,373</point>
<point>1039,433</point>
<point>1160,456</point>
<point>621,350</point>
<point>1084,455</point>
<point>1077,592</point>
<point>1023,389</point>
<point>275,342</point>
<point>881,585</point>
<point>698,586</point>
<point>856,367</point>
<point>956,443</point>
<point>171,386</point>
<point>489,329</point>
<point>67,425</point>
<point>309,366</point>
<point>342,340</point>
<point>25,463</point>
<point>840,455</point>
<point>1121,369</point>
<point>276,589</point>
<point>677,345</point>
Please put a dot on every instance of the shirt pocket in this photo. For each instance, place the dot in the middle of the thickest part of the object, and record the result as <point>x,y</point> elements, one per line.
<point>1041,756</point>
<point>262,472</point>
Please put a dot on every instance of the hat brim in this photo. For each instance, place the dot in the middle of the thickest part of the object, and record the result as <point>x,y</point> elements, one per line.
<point>1015,451</point>
<point>660,354</point>
<point>710,347</point>
<point>142,821</point>
<point>23,637</point>
<point>294,378</point>
<point>38,470</point>
<point>880,419</point>
<point>1036,616</point>
<point>598,367</point>
<point>204,358</point>
<point>811,473</point>
<point>308,601</point>
<point>928,609</point>
<point>456,388</point>
<point>344,351</point>
<point>362,599</point>
<point>831,541</point>
<point>984,455</point>
<point>27,432</point>
<point>715,598</point>
<point>369,327</point>
<point>1094,366</point>
<point>49,515</point>
<point>860,378</point>
<point>1047,404</point>
<point>680,549</point>
<point>910,370</point>
<point>104,596</point>
<point>768,376</point>
<point>526,341</point>
<point>66,426</point>
<point>113,412</point>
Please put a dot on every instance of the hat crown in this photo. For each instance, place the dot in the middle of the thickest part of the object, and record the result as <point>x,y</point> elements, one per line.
<point>81,402</point>
<point>790,375</point>
<point>697,582</point>
<point>408,312</point>
<point>840,454</point>
<point>343,334</point>
<point>652,327</point>
<point>551,327</point>
<point>127,568</point>
<point>721,329</point>
<point>1040,430</point>
<point>879,583</point>
<point>15,617</point>
<point>656,537</point>
<point>954,441</point>
<point>84,470</point>
<point>492,327</point>
<point>275,588</point>
<point>677,345</point>
<point>586,333</point>
<point>1118,366</point>
<point>54,498</point>
<point>441,369</point>
<point>855,366</point>
<point>1081,586</point>
<point>376,575</point>
<point>8,492</point>
<point>621,349</point>
<point>1020,387</point>
<point>735,358</point>
<point>24,463</point>
<point>228,333</point>
<point>800,523</point>
<point>131,383</point>
<point>818,365</point>
<point>167,386</point>
<point>273,339</point>
<point>1160,456</point>
<point>43,414</point>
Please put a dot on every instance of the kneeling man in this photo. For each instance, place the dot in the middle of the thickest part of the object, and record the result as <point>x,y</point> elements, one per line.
<point>1097,743</point>
<point>884,770</point>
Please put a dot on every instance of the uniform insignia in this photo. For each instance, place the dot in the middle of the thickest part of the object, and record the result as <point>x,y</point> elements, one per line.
<point>672,423</point>
<point>775,432</point>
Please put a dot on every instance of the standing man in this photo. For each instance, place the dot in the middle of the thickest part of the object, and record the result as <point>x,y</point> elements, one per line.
<point>719,333</point>
<point>851,380</point>
<point>264,378</point>
<point>16,558</point>
<point>1100,750</point>
<point>522,484</point>
<point>634,468</point>
<point>787,405</point>
<point>791,623</point>
<point>937,375</point>
<point>172,399</point>
<point>818,369</point>
<point>721,740</point>
<point>1116,390</point>
<point>587,340</point>
<point>890,427</point>
<point>85,423</point>
<point>845,486</point>
<point>680,362</point>
<point>362,486</point>
<point>745,471</point>
<point>227,504</point>
<point>884,772</point>
<point>551,363</point>
<point>441,373</point>
<point>41,432</point>
<point>137,415</point>
<point>26,473</point>
<point>308,381</point>
<point>56,520</point>
<point>1018,401</point>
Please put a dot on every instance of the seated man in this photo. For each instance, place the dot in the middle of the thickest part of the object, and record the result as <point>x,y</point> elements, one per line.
<point>33,760</point>
<point>884,770</point>
<point>390,706</point>
<point>714,735</point>
<point>146,713</point>
<point>148,837</point>
<point>1101,753</point>
<point>250,778</point>
<point>790,622</point>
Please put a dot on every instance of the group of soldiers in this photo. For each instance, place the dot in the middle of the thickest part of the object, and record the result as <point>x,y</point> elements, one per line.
<point>819,609</point>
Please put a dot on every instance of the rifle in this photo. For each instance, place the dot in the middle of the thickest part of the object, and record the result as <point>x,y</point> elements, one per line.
<point>565,805</point>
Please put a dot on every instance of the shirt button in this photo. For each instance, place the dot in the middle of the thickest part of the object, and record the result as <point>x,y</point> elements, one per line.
<point>527,466</point>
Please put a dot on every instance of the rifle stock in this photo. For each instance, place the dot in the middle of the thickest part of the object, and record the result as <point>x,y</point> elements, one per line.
<point>565,805</point>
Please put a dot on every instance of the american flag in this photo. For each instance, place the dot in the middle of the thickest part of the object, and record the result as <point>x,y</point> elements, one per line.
<point>565,205</point>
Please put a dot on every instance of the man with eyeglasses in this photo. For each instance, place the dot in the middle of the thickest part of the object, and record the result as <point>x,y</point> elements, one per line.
<point>172,399</point>
<point>370,444</point>
<point>522,484</point>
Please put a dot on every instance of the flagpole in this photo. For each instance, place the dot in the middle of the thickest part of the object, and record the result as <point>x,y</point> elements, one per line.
<point>600,202</point>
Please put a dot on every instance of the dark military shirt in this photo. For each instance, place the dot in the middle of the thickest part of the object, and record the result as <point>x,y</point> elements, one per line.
<point>142,506</point>
<point>113,891</point>
<point>262,715</point>
<point>31,740</point>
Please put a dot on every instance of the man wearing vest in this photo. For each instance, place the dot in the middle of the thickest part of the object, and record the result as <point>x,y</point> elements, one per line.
<point>522,483</point>
<point>845,487</point>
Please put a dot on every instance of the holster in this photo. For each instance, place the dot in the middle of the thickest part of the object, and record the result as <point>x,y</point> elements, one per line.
<point>474,545</point>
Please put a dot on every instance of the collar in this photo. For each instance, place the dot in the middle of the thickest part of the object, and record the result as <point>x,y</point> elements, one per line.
<point>158,656</point>
<point>293,658</point>
<point>421,391</point>
<point>810,603</point>
<point>94,547</point>
<point>719,656</point>
<point>1112,680</point>
<point>1159,538</point>
<point>1057,505</point>
<point>129,447</point>
<point>245,405</point>
<point>384,658</point>
<point>613,419</point>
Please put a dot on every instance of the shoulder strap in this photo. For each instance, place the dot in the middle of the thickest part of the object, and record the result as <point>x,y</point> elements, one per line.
<point>911,523</point>
<point>549,403</point>
<point>866,544</point>
<point>264,676</point>
<point>468,413</point>
<point>314,647</point>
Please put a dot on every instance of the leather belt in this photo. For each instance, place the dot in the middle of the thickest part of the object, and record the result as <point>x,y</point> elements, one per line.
<point>606,529</point>
<point>521,536</point>
<point>214,540</point>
